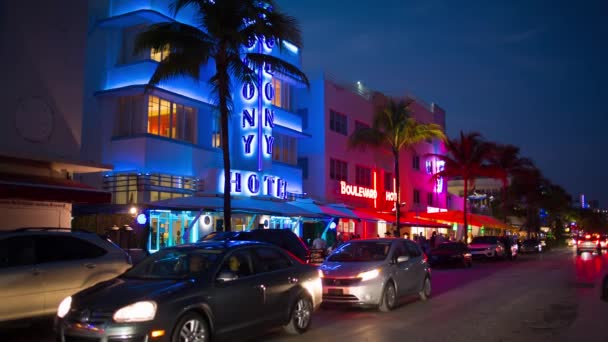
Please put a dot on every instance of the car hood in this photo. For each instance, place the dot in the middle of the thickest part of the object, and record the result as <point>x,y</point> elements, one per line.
<point>482,245</point>
<point>348,269</point>
<point>118,292</point>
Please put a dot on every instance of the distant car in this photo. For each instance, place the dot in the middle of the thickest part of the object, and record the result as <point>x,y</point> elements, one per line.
<point>531,246</point>
<point>487,247</point>
<point>41,266</point>
<point>196,292</point>
<point>603,241</point>
<point>588,243</point>
<point>451,253</point>
<point>376,273</point>
<point>511,245</point>
<point>283,238</point>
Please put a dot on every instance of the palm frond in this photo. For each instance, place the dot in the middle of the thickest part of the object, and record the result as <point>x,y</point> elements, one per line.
<point>278,66</point>
<point>180,37</point>
<point>175,66</point>
<point>366,136</point>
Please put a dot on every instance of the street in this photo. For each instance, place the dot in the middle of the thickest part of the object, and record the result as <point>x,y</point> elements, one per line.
<point>547,297</point>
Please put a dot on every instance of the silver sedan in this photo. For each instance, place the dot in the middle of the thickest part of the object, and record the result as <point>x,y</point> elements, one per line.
<point>375,273</point>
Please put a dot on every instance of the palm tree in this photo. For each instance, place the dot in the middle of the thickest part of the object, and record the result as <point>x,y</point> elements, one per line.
<point>224,27</point>
<point>394,128</point>
<point>467,158</point>
<point>507,158</point>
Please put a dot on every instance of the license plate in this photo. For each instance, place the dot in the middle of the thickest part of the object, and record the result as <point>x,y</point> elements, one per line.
<point>337,292</point>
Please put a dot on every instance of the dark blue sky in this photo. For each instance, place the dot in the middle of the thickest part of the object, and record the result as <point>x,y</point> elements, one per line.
<point>532,73</point>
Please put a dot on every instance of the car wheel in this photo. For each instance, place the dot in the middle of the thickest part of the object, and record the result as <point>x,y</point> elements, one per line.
<point>425,293</point>
<point>300,317</point>
<point>192,327</point>
<point>389,298</point>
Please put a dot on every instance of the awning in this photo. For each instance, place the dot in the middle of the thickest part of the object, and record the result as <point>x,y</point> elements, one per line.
<point>457,216</point>
<point>238,204</point>
<point>38,188</point>
<point>326,210</point>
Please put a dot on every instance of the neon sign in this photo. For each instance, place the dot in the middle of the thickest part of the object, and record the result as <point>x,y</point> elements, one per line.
<point>257,97</point>
<point>254,184</point>
<point>439,166</point>
<point>391,196</point>
<point>357,191</point>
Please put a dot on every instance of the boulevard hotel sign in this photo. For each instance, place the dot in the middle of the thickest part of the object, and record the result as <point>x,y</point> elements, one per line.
<point>363,192</point>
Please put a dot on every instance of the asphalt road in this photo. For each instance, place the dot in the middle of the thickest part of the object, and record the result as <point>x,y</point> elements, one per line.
<point>547,297</point>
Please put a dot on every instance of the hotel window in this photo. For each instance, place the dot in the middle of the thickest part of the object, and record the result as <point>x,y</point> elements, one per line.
<point>429,167</point>
<point>416,162</point>
<point>388,181</point>
<point>284,149</point>
<point>338,122</point>
<point>429,198</point>
<point>338,170</point>
<point>416,197</point>
<point>130,119</point>
<point>363,176</point>
<point>161,54</point>
<point>216,137</point>
<point>303,164</point>
<point>282,94</point>
<point>171,120</point>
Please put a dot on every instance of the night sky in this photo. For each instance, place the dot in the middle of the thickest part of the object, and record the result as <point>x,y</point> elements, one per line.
<point>530,73</point>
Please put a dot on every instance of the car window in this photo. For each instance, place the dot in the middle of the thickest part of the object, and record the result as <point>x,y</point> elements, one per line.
<point>361,251</point>
<point>65,248</point>
<point>413,249</point>
<point>400,250</point>
<point>175,264</point>
<point>270,259</point>
<point>17,251</point>
<point>238,262</point>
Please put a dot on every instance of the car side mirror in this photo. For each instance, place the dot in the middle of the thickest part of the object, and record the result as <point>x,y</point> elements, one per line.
<point>226,276</point>
<point>402,258</point>
<point>605,289</point>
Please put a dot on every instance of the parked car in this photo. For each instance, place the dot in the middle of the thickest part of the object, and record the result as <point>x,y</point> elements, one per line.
<point>196,292</point>
<point>603,241</point>
<point>588,243</point>
<point>531,246</point>
<point>375,272</point>
<point>510,242</point>
<point>283,238</point>
<point>451,253</point>
<point>41,266</point>
<point>487,247</point>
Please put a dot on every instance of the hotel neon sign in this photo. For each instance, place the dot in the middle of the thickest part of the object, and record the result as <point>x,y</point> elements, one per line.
<point>357,191</point>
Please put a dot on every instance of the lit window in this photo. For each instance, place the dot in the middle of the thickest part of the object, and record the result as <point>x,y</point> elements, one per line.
<point>171,120</point>
<point>216,137</point>
<point>159,55</point>
<point>282,94</point>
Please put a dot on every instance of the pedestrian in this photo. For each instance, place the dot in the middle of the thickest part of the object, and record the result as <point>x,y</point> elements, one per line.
<point>319,243</point>
<point>433,239</point>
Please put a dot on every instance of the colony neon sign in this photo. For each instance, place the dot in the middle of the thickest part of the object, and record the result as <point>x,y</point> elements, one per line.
<point>257,118</point>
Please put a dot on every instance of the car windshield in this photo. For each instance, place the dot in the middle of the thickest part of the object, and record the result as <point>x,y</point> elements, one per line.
<point>484,239</point>
<point>531,242</point>
<point>449,246</point>
<point>175,264</point>
<point>361,251</point>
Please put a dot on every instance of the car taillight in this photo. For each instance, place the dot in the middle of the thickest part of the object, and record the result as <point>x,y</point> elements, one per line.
<point>578,242</point>
<point>597,242</point>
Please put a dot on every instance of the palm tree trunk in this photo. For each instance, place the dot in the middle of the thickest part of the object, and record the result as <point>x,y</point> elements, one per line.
<point>224,94</point>
<point>398,190</point>
<point>465,220</point>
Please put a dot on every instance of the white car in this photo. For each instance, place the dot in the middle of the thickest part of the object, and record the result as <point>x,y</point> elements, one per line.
<point>487,247</point>
<point>41,266</point>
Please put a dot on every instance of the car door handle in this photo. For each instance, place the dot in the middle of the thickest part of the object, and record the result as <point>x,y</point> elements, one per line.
<point>90,266</point>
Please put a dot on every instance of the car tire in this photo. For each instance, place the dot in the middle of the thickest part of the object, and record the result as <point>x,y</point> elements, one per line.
<point>425,292</point>
<point>192,325</point>
<point>389,298</point>
<point>300,316</point>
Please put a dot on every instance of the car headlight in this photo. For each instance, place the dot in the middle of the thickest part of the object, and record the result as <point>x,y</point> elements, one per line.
<point>369,275</point>
<point>64,307</point>
<point>137,312</point>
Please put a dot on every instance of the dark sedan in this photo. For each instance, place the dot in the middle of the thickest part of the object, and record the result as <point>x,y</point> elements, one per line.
<point>450,253</point>
<point>531,246</point>
<point>196,292</point>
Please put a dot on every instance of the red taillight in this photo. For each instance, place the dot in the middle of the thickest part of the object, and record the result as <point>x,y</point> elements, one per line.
<point>597,242</point>
<point>587,236</point>
<point>578,242</point>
